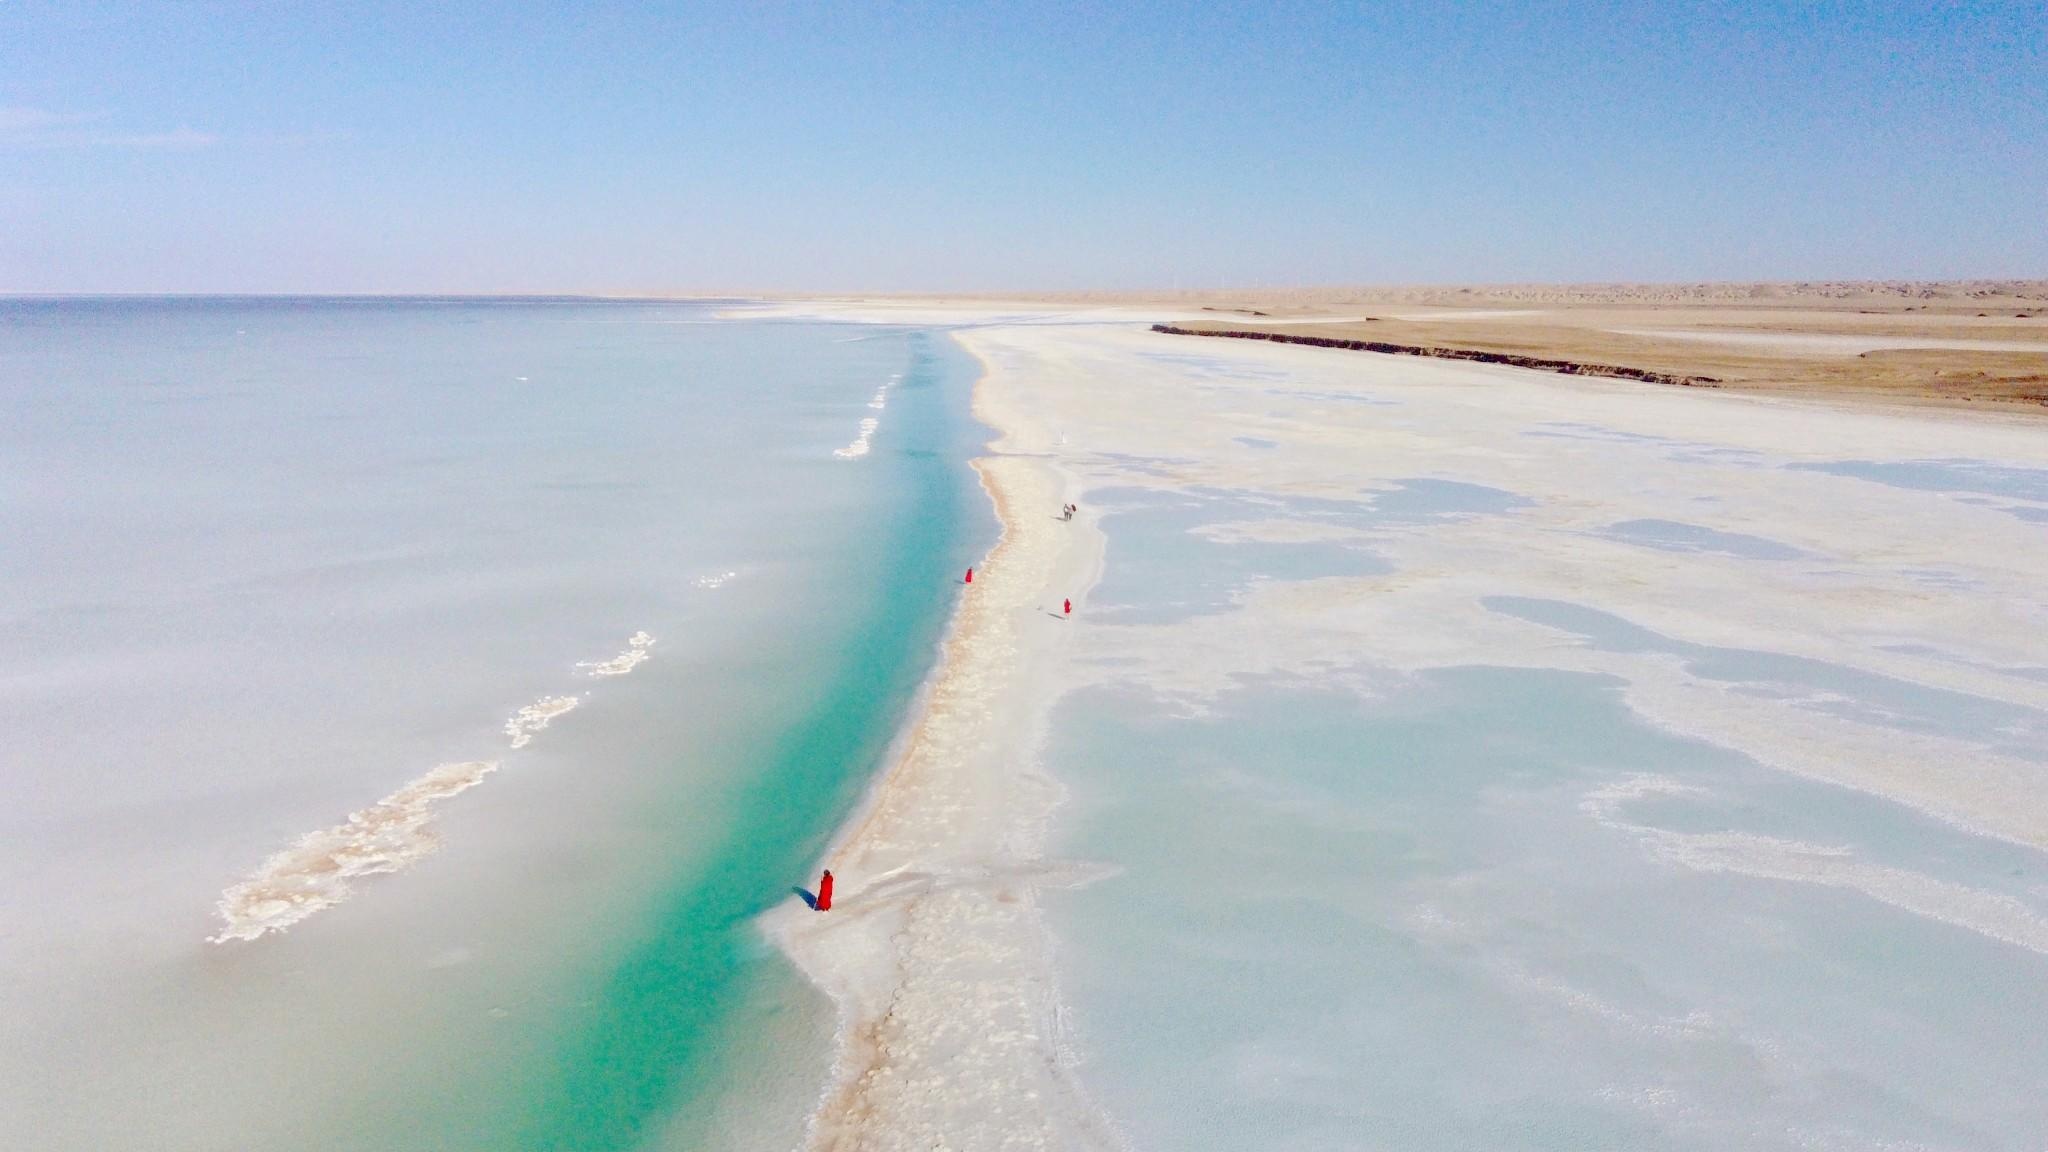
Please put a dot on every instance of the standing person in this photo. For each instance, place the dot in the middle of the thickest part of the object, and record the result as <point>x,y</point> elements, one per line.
<point>825,891</point>
<point>1067,608</point>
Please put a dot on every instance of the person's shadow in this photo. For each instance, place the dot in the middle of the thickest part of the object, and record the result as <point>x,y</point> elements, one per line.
<point>809,897</point>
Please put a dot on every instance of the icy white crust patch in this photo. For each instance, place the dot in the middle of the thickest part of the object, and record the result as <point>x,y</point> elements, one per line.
<point>316,872</point>
<point>868,424</point>
<point>718,581</point>
<point>1773,858</point>
<point>536,716</point>
<point>636,652</point>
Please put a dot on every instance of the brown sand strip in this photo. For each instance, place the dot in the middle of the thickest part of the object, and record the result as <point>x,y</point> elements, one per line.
<point>1567,367</point>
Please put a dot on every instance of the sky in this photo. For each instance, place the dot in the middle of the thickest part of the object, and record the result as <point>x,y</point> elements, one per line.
<point>600,147</point>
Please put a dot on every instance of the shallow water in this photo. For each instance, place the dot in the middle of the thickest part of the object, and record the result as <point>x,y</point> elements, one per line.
<point>1165,573</point>
<point>268,561</point>
<point>1968,480</point>
<point>1416,921</point>
<point>1672,536</point>
<point>2012,729</point>
<point>1180,553</point>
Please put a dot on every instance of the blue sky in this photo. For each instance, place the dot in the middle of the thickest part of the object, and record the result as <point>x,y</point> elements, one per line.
<point>288,147</point>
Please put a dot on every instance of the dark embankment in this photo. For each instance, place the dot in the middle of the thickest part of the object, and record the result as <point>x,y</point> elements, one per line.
<point>1567,367</point>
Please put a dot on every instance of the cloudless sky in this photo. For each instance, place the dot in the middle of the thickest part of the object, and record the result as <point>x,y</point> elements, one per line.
<point>510,147</point>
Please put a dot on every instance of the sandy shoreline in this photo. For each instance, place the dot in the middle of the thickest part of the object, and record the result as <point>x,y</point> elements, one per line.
<point>935,950</point>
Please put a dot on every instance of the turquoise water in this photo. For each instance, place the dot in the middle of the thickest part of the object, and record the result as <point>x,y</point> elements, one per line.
<point>662,1019</point>
<point>269,560</point>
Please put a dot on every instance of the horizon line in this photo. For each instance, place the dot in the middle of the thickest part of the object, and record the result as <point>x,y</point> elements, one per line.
<point>1893,283</point>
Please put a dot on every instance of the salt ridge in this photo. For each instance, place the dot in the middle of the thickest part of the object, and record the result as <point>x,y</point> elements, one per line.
<point>869,424</point>
<point>388,836</point>
<point>536,716</point>
<point>315,873</point>
<point>636,652</point>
